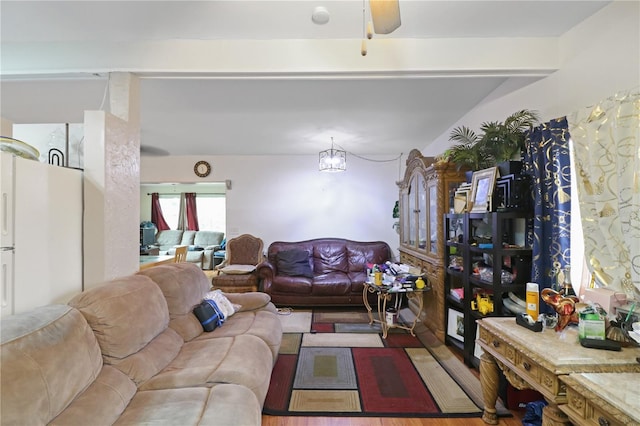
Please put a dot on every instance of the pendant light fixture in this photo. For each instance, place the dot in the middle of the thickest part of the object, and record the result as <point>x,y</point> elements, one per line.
<point>333,160</point>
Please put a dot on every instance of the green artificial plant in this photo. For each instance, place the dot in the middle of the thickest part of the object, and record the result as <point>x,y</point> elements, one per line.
<point>497,142</point>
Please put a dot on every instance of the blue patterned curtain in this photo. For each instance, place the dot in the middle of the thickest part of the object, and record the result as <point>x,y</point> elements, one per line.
<point>547,161</point>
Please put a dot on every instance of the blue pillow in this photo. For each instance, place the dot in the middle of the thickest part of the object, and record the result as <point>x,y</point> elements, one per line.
<point>294,263</point>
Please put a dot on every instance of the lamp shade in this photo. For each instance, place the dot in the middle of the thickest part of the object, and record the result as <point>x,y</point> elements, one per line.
<point>333,160</point>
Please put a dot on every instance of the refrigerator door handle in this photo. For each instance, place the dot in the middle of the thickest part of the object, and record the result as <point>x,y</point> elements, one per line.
<point>6,248</point>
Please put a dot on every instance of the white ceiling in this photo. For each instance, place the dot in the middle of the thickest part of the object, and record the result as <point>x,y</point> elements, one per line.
<point>274,82</point>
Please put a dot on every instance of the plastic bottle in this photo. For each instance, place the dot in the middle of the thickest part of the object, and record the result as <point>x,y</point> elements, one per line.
<point>533,298</point>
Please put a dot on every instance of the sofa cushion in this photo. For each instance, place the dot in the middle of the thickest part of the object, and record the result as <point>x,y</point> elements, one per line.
<point>142,348</point>
<point>251,301</point>
<point>40,350</point>
<point>330,256</point>
<point>262,323</point>
<point>292,285</point>
<point>221,405</point>
<point>183,286</point>
<point>244,360</point>
<point>208,239</point>
<point>333,283</point>
<point>238,269</point>
<point>110,308</point>
<point>294,263</point>
<point>187,238</point>
<point>103,402</point>
<point>168,238</point>
<point>361,253</point>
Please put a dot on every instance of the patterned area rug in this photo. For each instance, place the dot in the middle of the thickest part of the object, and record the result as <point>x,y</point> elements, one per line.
<point>333,362</point>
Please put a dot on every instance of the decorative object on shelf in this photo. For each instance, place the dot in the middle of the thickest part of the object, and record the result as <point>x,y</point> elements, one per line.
<point>202,169</point>
<point>396,215</point>
<point>333,160</point>
<point>512,193</point>
<point>56,157</point>
<point>564,306</point>
<point>482,304</point>
<point>482,187</point>
<point>461,198</point>
<point>498,142</point>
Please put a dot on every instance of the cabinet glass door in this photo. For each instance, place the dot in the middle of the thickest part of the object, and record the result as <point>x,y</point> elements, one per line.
<point>433,219</point>
<point>405,220</point>
<point>412,213</point>
<point>421,211</point>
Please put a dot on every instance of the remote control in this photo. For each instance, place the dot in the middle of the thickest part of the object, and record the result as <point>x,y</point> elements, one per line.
<point>610,345</point>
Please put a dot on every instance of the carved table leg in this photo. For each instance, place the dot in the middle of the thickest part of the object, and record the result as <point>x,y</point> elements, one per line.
<point>553,416</point>
<point>489,382</point>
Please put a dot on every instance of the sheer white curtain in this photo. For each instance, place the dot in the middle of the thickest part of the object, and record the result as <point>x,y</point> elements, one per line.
<point>607,160</point>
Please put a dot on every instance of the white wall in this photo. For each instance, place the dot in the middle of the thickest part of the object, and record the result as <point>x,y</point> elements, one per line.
<point>286,198</point>
<point>599,57</point>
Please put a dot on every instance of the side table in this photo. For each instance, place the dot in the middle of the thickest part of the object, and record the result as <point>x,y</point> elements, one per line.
<point>385,294</point>
<point>540,361</point>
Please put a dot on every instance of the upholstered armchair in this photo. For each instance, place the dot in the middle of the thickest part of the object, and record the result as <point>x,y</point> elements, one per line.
<point>237,273</point>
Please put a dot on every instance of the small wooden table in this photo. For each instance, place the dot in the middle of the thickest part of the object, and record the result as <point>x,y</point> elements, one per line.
<point>540,361</point>
<point>149,261</point>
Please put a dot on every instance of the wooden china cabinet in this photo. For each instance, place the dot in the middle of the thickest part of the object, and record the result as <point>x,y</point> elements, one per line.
<point>424,199</point>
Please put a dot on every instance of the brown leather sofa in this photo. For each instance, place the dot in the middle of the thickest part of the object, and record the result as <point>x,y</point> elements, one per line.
<point>334,275</point>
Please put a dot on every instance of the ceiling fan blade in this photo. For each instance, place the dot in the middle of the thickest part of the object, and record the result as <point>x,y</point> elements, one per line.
<point>149,150</point>
<point>385,15</point>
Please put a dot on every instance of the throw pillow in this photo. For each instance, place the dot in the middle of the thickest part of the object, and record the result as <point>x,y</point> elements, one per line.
<point>223,303</point>
<point>238,269</point>
<point>294,263</point>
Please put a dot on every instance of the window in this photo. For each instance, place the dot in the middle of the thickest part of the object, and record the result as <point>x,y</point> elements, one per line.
<point>211,211</point>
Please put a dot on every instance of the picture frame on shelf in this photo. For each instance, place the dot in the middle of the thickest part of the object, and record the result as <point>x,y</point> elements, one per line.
<point>482,185</point>
<point>461,198</point>
<point>455,324</point>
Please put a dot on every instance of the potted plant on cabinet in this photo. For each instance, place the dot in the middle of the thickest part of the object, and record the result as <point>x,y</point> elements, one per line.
<point>497,143</point>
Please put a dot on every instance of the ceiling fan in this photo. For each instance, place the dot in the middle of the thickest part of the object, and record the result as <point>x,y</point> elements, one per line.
<point>385,15</point>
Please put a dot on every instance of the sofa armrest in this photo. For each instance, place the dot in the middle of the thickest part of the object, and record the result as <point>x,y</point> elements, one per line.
<point>249,301</point>
<point>266,271</point>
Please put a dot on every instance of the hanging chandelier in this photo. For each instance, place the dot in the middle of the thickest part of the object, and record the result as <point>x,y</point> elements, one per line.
<point>333,160</point>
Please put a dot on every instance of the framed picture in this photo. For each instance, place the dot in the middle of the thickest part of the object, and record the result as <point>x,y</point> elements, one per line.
<point>482,185</point>
<point>461,198</point>
<point>455,324</point>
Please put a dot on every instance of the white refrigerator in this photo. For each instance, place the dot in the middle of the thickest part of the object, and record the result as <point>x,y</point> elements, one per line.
<point>40,234</point>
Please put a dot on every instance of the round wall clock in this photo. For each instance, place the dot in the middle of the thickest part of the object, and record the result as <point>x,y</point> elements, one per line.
<point>202,168</point>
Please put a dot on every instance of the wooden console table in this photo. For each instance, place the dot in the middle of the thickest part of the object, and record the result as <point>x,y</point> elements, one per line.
<point>538,361</point>
<point>609,399</point>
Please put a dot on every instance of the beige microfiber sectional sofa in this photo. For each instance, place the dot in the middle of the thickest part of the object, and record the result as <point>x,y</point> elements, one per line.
<point>131,352</point>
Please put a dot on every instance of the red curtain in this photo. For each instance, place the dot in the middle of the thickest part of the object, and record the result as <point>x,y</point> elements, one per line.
<point>192,212</point>
<point>156,213</point>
